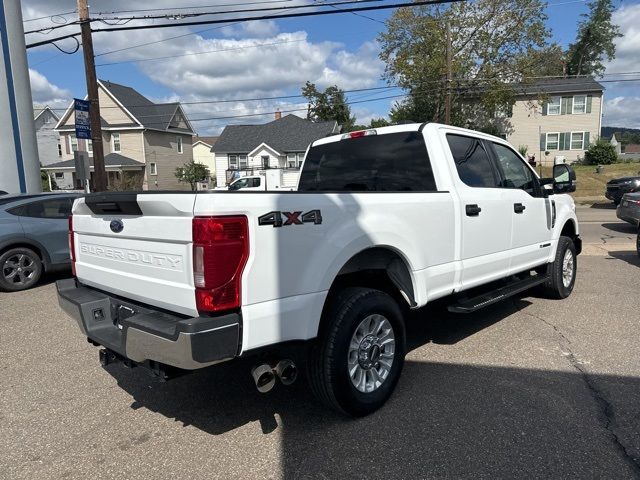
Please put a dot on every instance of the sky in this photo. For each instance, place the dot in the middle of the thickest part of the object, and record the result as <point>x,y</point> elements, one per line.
<point>270,58</point>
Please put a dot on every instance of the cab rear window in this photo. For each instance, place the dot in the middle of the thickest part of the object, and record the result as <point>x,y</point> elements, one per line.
<point>393,162</point>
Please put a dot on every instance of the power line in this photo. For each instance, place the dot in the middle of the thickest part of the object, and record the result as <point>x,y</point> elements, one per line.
<point>200,53</point>
<point>280,15</point>
<point>171,9</point>
<point>49,16</point>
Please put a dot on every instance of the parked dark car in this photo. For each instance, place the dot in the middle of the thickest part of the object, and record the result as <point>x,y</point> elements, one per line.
<point>33,237</point>
<point>629,208</point>
<point>617,187</point>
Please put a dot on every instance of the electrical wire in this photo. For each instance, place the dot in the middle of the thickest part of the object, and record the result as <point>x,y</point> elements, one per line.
<point>49,16</point>
<point>171,9</point>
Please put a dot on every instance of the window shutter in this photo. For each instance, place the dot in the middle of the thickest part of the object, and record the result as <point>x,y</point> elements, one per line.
<point>561,141</point>
<point>565,105</point>
<point>544,108</point>
<point>543,142</point>
<point>67,144</point>
<point>589,100</point>
<point>567,141</point>
<point>585,144</point>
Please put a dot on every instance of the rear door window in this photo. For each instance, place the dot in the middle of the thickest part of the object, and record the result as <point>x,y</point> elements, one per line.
<point>393,162</point>
<point>472,161</point>
<point>57,208</point>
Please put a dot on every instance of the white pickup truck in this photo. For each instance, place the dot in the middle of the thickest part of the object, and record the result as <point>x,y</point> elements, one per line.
<point>383,221</point>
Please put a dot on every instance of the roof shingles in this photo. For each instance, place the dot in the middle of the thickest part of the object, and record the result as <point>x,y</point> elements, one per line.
<point>110,160</point>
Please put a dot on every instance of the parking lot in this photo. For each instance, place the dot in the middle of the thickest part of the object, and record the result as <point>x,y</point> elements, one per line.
<point>529,388</point>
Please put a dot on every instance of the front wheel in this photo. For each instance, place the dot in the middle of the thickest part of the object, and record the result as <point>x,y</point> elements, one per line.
<point>355,363</point>
<point>563,270</point>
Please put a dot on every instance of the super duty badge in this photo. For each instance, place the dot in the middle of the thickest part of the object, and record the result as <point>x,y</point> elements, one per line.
<point>283,219</point>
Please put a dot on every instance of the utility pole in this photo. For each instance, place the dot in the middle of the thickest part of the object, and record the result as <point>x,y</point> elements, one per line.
<point>447,104</point>
<point>100,175</point>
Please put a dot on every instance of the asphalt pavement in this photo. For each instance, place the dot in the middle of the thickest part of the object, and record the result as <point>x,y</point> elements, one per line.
<point>530,388</point>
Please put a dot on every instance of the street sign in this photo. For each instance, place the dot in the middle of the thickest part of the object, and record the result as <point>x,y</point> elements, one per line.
<point>83,124</point>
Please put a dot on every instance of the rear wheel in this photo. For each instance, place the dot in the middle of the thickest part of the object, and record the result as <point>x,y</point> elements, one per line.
<point>21,269</point>
<point>356,361</point>
<point>562,270</point>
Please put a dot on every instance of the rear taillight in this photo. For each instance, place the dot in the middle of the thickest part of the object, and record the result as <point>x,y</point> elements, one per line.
<point>635,202</point>
<point>72,244</point>
<point>220,253</point>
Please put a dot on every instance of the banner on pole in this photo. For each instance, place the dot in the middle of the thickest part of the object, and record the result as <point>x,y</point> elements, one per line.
<point>83,124</point>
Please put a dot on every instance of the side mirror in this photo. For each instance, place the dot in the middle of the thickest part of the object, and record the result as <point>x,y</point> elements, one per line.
<point>564,179</point>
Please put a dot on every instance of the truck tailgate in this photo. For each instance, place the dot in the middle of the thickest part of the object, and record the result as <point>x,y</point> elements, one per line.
<point>138,246</point>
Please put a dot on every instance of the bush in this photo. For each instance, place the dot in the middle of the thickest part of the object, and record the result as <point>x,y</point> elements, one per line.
<point>601,153</point>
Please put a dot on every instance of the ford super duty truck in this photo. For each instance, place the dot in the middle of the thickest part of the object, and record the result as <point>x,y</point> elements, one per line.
<point>383,221</point>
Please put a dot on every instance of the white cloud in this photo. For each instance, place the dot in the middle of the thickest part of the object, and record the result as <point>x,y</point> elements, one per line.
<point>44,92</point>
<point>622,112</point>
<point>628,46</point>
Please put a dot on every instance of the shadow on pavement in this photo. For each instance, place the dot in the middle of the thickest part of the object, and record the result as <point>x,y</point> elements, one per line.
<point>444,420</point>
<point>604,206</point>
<point>629,256</point>
<point>621,227</point>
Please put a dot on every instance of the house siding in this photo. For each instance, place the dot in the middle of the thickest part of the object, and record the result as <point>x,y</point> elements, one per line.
<point>202,154</point>
<point>527,122</point>
<point>47,138</point>
<point>161,149</point>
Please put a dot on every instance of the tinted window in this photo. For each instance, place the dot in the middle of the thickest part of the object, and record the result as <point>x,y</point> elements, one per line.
<point>254,182</point>
<point>54,208</point>
<point>472,161</point>
<point>394,162</point>
<point>514,172</point>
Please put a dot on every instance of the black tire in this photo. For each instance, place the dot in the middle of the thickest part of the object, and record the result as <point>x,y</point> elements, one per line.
<point>328,356</point>
<point>555,287</point>
<point>20,269</point>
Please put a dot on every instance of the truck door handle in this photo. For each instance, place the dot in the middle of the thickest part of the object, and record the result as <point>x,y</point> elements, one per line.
<point>518,207</point>
<point>472,210</point>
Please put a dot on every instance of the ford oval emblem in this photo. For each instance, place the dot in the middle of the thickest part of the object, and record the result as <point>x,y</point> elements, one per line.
<point>116,226</point>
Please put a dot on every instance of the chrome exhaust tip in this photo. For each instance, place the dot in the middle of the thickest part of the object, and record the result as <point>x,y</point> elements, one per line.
<point>286,371</point>
<point>263,377</point>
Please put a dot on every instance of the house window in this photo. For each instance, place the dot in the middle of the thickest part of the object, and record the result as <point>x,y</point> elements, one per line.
<point>579,105</point>
<point>553,140</point>
<point>89,146</point>
<point>291,160</point>
<point>265,161</point>
<point>115,142</point>
<point>179,140</point>
<point>577,140</point>
<point>59,149</point>
<point>153,168</point>
<point>553,107</point>
<point>73,143</point>
<point>47,119</point>
<point>59,175</point>
<point>233,162</point>
<point>300,158</point>
<point>243,161</point>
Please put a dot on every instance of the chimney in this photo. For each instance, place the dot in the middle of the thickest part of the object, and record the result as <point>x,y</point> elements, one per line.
<point>278,114</point>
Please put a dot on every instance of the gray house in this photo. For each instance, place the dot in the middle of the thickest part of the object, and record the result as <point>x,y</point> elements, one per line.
<point>48,147</point>
<point>144,142</point>
<point>246,149</point>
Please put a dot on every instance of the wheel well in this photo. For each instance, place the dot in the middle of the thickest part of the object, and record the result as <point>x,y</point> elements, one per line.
<point>569,230</point>
<point>30,246</point>
<point>380,268</point>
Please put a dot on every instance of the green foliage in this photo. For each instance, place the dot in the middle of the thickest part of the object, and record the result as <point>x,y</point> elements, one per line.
<point>594,41</point>
<point>523,149</point>
<point>374,123</point>
<point>44,178</point>
<point>328,105</point>
<point>494,43</point>
<point>192,173</point>
<point>601,153</point>
<point>624,135</point>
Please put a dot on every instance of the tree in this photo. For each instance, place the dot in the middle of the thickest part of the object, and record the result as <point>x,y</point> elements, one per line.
<point>491,46</point>
<point>374,123</point>
<point>44,178</point>
<point>594,40</point>
<point>192,173</point>
<point>328,105</point>
<point>601,153</point>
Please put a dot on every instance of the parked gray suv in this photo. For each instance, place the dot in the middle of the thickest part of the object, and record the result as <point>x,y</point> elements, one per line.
<point>33,237</point>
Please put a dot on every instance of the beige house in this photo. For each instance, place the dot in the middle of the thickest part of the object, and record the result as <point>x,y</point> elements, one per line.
<point>557,118</point>
<point>138,135</point>
<point>202,154</point>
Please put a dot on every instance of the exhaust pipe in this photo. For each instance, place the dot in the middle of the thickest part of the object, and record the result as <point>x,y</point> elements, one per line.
<point>263,377</point>
<point>286,371</point>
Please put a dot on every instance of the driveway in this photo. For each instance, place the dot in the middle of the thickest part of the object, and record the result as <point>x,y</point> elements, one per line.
<point>530,388</point>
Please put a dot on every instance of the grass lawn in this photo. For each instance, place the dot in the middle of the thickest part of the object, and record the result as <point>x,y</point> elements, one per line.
<point>592,184</point>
